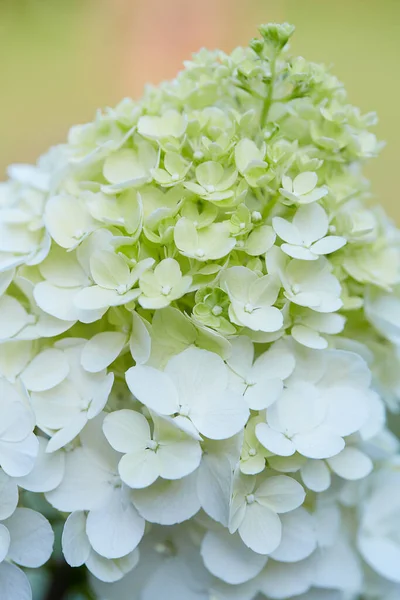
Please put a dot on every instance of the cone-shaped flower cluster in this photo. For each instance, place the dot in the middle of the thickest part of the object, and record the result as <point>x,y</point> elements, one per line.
<point>200,341</point>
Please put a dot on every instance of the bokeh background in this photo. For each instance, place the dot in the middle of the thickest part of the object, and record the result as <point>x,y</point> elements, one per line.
<point>61,59</point>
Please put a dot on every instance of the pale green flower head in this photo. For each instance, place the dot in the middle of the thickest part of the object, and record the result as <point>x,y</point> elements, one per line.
<point>200,340</point>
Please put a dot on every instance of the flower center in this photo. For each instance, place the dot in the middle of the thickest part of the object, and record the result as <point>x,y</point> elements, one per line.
<point>210,188</point>
<point>250,499</point>
<point>249,308</point>
<point>79,233</point>
<point>121,289</point>
<point>152,445</point>
<point>252,452</point>
<point>175,177</point>
<point>165,290</point>
<point>296,288</point>
<point>242,226</point>
<point>200,253</point>
<point>216,310</point>
<point>256,216</point>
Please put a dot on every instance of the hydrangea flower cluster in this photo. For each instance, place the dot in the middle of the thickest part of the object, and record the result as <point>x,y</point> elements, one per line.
<point>200,343</point>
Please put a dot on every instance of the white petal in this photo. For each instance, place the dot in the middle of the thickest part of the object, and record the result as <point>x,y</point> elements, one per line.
<point>47,472</point>
<point>308,337</point>
<point>328,244</point>
<point>338,567</point>
<point>85,484</point>
<point>111,570</point>
<point>298,252</point>
<point>220,416</point>
<point>316,475</point>
<point>300,408</point>
<point>17,458</point>
<point>178,457</point>
<point>4,542</point>
<point>32,538</point>
<point>14,584</point>
<point>298,537</point>
<point>153,388</point>
<point>280,581</point>
<point>139,469</point>
<point>46,370</point>
<point>261,529</point>
<point>13,317</point>
<point>95,298</point>
<point>274,441</point>
<point>305,182</point>
<point>348,409</point>
<point>382,554</point>
<point>214,486</point>
<point>17,420</point>
<point>67,220</point>
<point>8,495</point>
<point>115,529</point>
<point>55,301</point>
<point>286,231</point>
<point>68,433</point>
<point>280,493</point>
<point>312,222</point>
<point>168,502</point>
<point>196,373</point>
<point>351,464</point>
<point>75,543</point>
<point>319,443</point>
<point>264,393</point>
<point>126,430</point>
<point>101,350</point>
<point>226,557</point>
<point>140,340</point>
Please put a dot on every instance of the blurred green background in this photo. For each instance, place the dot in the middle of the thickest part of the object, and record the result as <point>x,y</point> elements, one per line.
<point>61,59</point>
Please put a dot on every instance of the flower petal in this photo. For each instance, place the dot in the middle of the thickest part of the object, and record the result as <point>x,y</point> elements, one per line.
<point>226,557</point>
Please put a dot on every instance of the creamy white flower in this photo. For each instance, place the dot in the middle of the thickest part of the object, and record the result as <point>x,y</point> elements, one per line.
<point>193,390</point>
<point>166,453</point>
<point>302,189</point>
<point>255,508</point>
<point>77,551</point>
<point>165,284</point>
<point>260,382</point>
<point>306,236</point>
<point>252,299</point>
<point>64,395</point>
<point>91,483</point>
<point>114,281</point>
<point>309,325</point>
<point>306,283</point>
<point>319,408</point>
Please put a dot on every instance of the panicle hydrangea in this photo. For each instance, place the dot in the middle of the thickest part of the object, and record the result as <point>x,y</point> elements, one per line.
<point>200,340</point>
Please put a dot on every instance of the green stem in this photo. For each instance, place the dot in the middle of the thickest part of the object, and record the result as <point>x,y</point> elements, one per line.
<point>269,97</point>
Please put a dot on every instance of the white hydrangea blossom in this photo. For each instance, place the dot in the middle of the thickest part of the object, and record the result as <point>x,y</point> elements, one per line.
<point>200,343</point>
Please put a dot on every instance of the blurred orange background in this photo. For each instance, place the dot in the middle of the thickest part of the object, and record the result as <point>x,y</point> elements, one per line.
<point>61,59</point>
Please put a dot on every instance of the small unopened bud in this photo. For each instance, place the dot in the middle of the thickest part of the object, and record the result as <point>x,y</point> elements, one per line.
<point>277,34</point>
